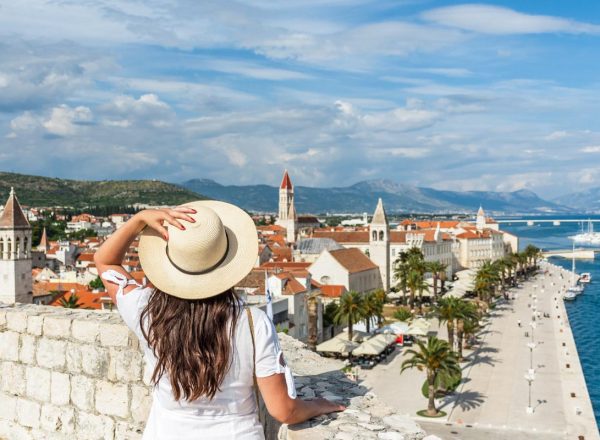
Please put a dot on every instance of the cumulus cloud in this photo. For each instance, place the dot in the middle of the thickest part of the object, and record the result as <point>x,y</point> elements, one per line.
<point>487,19</point>
<point>64,120</point>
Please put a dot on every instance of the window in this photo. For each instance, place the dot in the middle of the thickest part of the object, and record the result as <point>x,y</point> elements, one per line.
<point>374,235</point>
<point>380,235</point>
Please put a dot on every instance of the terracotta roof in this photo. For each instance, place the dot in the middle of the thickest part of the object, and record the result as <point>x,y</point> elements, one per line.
<point>353,260</point>
<point>286,182</point>
<point>86,256</point>
<point>447,224</point>
<point>332,290</point>
<point>308,219</point>
<point>287,265</point>
<point>13,216</point>
<point>273,228</point>
<point>293,286</point>
<point>282,253</point>
<point>343,236</point>
<point>256,279</point>
<point>85,298</point>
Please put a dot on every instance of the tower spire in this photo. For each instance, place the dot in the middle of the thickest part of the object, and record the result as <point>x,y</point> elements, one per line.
<point>379,217</point>
<point>286,182</point>
<point>13,216</point>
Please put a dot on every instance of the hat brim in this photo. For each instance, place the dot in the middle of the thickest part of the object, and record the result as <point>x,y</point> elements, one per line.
<point>241,256</point>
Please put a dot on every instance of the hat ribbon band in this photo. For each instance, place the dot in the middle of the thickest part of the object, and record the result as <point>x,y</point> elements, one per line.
<point>187,272</point>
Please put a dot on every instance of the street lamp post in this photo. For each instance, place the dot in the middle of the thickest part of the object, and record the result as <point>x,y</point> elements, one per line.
<point>529,377</point>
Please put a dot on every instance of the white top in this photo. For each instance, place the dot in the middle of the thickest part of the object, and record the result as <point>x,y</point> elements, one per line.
<point>232,413</point>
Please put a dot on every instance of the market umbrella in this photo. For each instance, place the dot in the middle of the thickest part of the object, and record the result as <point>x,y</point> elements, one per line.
<point>415,330</point>
<point>357,335</point>
<point>370,347</point>
<point>337,345</point>
<point>420,322</point>
<point>399,327</point>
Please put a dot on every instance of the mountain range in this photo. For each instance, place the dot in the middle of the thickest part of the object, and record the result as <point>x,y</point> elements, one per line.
<point>362,197</point>
<point>587,201</point>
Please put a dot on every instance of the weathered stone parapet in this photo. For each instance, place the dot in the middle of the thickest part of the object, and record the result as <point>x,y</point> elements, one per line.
<point>68,374</point>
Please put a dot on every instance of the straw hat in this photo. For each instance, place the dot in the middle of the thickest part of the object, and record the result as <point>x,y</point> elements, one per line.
<point>207,258</point>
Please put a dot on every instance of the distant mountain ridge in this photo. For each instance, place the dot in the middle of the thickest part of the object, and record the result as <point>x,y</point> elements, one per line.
<point>362,196</point>
<point>587,201</point>
<point>49,191</point>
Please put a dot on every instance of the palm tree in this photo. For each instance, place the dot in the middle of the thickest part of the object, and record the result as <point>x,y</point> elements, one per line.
<point>403,314</point>
<point>350,310</point>
<point>446,311</point>
<point>382,297</point>
<point>436,268</point>
<point>417,284</point>
<point>372,307</point>
<point>467,312</point>
<point>312,307</point>
<point>401,270</point>
<point>486,280</point>
<point>470,327</point>
<point>72,302</point>
<point>437,359</point>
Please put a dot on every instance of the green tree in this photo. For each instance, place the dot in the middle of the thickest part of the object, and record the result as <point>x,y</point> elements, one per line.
<point>72,302</point>
<point>372,308</point>
<point>403,314</point>
<point>350,311</point>
<point>96,284</point>
<point>437,359</point>
<point>467,312</point>
<point>446,311</point>
<point>417,285</point>
<point>436,268</point>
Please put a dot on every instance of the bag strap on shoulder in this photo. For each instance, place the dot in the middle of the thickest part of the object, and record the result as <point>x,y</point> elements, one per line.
<point>251,324</point>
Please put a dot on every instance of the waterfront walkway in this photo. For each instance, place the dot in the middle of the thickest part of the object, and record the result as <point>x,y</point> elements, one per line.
<point>491,403</point>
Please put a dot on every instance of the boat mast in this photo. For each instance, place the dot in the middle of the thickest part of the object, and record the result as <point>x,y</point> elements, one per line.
<point>573,266</point>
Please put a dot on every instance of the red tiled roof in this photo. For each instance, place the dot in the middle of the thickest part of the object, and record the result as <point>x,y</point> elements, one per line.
<point>85,298</point>
<point>288,265</point>
<point>286,182</point>
<point>86,256</point>
<point>343,236</point>
<point>353,260</point>
<point>332,290</point>
<point>272,228</point>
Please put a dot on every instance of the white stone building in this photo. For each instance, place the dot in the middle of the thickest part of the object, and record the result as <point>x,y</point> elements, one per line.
<point>15,254</point>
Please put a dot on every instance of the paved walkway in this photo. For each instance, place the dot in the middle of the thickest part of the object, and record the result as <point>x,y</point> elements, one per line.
<point>491,403</point>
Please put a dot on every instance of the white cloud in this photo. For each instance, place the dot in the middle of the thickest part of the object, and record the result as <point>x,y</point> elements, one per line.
<point>591,149</point>
<point>487,19</point>
<point>556,135</point>
<point>64,120</point>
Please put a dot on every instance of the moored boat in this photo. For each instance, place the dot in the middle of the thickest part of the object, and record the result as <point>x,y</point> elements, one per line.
<point>585,277</point>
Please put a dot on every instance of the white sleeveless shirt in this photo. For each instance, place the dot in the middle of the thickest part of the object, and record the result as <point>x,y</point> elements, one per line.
<point>232,413</point>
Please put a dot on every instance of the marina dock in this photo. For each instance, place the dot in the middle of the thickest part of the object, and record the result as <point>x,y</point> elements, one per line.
<point>578,254</point>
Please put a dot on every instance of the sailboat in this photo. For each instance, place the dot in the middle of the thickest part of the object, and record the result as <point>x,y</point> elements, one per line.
<point>575,287</point>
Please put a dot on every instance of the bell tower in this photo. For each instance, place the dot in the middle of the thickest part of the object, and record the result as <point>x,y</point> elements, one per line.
<point>379,243</point>
<point>15,253</point>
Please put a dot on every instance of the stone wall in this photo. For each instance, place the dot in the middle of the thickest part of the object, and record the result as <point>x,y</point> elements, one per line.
<point>80,374</point>
<point>69,374</point>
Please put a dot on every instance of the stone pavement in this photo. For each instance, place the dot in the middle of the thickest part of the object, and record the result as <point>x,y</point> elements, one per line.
<point>492,400</point>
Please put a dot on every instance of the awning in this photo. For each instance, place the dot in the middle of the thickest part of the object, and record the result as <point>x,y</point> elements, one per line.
<point>337,345</point>
<point>374,346</point>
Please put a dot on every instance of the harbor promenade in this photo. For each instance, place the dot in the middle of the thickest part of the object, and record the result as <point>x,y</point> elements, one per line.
<point>492,400</point>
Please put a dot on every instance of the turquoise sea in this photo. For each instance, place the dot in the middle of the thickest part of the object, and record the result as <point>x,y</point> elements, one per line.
<point>584,312</point>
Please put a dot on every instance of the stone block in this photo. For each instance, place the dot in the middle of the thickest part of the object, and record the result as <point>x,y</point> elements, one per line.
<point>28,413</point>
<point>9,346</point>
<point>73,357</point>
<point>93,427</point>
<point>2,318</point>
<point>57,327</point>
<point>38,383</point>
<point>94,360</point>
<point>16,321</point>
<point>112,399</point>
<point>12,431</point>
<point>125,365</point>
<point>34,325</point>
<point>27,350</point>
<point>60,388</point>
<point>12,378</point>
<point>8,405</point>
<point>85,330</point>
<point>126,431</point>
<point>82,392</point>
<point>141,401</point>
<point>114,335</point>
<point>51,353</point>
<point>57,419</point>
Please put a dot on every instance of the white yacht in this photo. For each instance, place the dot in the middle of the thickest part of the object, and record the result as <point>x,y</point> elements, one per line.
<point>587,238</point>
<point>569,296</point>
<point>585,277</point>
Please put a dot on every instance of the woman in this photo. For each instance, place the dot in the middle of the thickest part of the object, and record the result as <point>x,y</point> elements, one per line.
<point>208,353</point>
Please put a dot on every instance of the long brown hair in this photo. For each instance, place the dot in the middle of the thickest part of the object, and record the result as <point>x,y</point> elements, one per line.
<point>192,341</point>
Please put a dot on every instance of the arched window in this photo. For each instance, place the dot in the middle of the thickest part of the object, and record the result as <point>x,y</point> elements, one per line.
<point>1,248</point>
<point>25,248</point>
<point>325,279</point>
<point>374,235</point>
<point>9,249</point>
<point>17,250</point>
<point>380,235</point>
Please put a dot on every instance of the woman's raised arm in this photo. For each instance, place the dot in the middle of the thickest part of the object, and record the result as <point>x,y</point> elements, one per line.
<point>110,254</point>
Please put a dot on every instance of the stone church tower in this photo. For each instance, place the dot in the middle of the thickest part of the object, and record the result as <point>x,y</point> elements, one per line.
<point>480,222</point>
<point>287,217</point>
<point>379,243</point>
<point>15,254</point>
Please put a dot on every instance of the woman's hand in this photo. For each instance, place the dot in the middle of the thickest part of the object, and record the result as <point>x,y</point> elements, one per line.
<point>156,218</point>
<point>327,406</point>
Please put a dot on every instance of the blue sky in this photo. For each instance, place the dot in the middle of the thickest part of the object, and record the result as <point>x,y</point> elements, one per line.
<point>499,95</point>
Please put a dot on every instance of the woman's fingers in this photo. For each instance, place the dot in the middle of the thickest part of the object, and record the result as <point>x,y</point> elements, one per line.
<point>172,220</point>
<point>158,227</point>
<point>184,209</point>
<point>181,215</point>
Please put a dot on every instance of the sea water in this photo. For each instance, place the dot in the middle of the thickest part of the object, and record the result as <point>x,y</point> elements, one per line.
<point>584,312</point>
